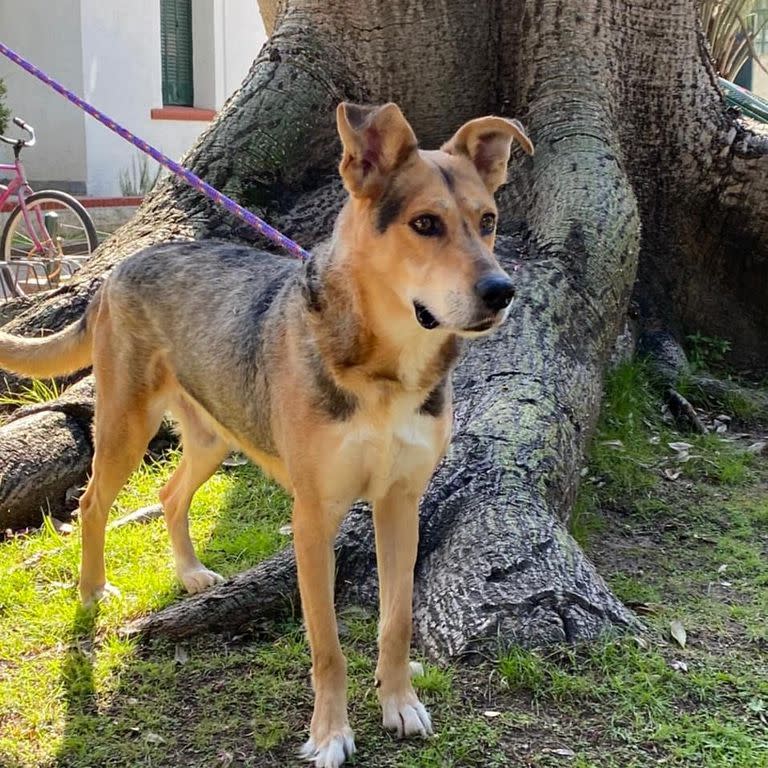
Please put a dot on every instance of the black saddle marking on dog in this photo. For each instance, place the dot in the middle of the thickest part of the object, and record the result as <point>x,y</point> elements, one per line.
<point>311,286</point>
<point>435,402</point>
<point>388,209</point>
<point>448,178</point>
<point>339,404</point>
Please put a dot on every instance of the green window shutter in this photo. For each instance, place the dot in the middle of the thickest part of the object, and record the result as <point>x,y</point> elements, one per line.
<point>176,52</point>
<point>761,24</point>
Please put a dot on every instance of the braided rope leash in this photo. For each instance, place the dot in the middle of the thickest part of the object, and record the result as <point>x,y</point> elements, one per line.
<point>245,215</point>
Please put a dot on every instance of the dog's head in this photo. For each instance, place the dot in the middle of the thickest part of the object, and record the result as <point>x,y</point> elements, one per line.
<point>425,221</point>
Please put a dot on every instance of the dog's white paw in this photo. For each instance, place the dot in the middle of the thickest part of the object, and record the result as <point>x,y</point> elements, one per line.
<point>332,751</point>
<point>199,578</point>
<point>90,596</point>
<point>406,715</point>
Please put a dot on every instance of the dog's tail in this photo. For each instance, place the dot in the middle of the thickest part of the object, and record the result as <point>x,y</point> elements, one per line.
<point>67,351</point>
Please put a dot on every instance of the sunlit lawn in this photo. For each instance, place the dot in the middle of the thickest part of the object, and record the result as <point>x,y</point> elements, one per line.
<point>73,692</point>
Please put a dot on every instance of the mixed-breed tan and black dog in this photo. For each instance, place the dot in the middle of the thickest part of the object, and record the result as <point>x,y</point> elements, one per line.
<point>334,377</point>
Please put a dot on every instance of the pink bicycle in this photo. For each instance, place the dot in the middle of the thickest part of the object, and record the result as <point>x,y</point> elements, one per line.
<point>46,237</point>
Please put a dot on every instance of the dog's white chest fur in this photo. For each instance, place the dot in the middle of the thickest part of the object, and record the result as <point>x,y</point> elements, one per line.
<point>374,454</point>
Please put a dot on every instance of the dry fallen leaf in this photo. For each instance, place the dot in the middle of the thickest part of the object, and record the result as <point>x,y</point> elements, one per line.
<point>180,655</point>
<point>235,459</point>
<point>561,751</point>
<point>678,666</point>
<point>143,515</point>
<point>62,528</point>
<point>680,447</point>
<point>417,668</point>
<point>643,608</point>
<point>491,713</point>
<point>671,474</point>
<point>677,630</point>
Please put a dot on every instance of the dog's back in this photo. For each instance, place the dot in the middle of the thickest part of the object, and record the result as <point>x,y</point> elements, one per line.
<point>219,354</point>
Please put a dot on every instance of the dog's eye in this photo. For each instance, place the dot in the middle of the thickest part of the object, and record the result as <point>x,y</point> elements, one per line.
<point>427,225</point>
<point>487,224</point>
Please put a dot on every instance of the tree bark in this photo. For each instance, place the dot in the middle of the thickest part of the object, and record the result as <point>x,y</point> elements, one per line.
<point>495,562</point>
<point>637,162</point>
<point>45,451</point>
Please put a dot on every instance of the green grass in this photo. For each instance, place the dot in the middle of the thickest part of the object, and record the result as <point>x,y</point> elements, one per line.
<point>692,549</point>
<point>52,654</point>
<point>631,453</point>
<point>74,693</point>
<point>38,391</point>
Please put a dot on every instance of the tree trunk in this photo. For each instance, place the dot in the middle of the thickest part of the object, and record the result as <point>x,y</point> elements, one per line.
<point>631,137</point>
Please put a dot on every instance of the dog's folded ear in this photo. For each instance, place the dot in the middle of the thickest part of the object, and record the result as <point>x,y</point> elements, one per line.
<point>487,142</point>
<point>376,141</point>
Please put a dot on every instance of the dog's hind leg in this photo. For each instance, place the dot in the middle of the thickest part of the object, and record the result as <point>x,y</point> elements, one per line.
<point>203,452</point>
<point>396,520</point>
<point>124,425</point>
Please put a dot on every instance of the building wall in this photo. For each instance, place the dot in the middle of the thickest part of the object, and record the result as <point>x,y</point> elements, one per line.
<point>760,78</point>
<point>48,34</point>
<point>244,37</point>
<point>108,52</point>
<point>227,35</point>
<point>122,76</point>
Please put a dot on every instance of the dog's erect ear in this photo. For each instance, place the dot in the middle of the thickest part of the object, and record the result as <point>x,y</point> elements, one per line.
<point>376,141</point>
<point>487,142</point>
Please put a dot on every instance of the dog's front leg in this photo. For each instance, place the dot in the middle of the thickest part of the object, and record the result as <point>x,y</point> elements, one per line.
<point>396,519</point>
<point>331,739</point>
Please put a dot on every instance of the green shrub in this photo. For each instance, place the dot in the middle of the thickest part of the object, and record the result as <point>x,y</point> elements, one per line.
<point>4,113</point>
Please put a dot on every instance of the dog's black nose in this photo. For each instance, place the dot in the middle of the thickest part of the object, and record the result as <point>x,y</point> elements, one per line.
<point>495,290</point>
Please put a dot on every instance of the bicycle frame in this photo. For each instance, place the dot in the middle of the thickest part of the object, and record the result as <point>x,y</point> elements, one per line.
<point>19,188</point>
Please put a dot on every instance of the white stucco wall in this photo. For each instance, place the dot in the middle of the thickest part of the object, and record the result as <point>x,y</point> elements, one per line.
<point>48,34</point>
<point>122,75</point>
<point>122,78</point>
<point>227,37</point>
<point>760,78</point>
<point>108,51</point>
<point>244,37</point>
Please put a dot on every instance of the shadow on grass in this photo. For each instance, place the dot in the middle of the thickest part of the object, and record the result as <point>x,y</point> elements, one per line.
<point>211,701</point>
<point>79,689</point>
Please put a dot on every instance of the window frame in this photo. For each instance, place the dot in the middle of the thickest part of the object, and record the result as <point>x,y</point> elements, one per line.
<point>176,53</point>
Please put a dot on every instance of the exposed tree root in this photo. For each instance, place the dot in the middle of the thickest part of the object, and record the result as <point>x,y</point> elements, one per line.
<point>669,363</point>
<point>684,413</point>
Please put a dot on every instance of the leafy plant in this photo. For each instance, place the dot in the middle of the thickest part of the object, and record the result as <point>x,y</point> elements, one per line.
<point>706,352</point>
<point>731,27</point>
<point>139,179</point>
<point>4,113</point>
<point>37,392</point>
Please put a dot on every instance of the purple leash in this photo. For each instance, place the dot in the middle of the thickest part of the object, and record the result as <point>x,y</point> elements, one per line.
<point>220,199</point>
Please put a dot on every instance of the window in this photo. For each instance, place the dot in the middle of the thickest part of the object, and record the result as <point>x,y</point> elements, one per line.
<point>761,23</point>
<point>176,52</point>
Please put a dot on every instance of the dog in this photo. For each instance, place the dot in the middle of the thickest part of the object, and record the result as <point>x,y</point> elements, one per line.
<point>334,377</point>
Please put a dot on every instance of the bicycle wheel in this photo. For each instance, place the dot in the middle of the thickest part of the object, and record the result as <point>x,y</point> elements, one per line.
<point>47,240</point>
